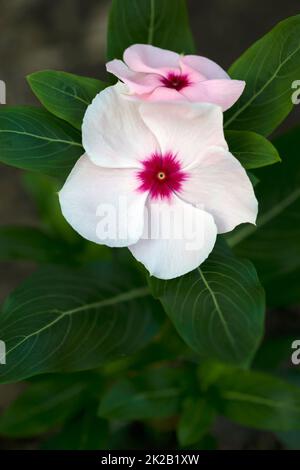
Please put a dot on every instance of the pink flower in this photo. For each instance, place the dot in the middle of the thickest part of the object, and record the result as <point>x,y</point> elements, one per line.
<point>156,74</point>
<point>158,178</point>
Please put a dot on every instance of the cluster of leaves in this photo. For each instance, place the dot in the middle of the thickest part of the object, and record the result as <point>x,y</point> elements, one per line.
<point>104,348</point>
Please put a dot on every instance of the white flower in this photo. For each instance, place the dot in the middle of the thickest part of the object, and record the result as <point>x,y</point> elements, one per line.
<point>158,178</point>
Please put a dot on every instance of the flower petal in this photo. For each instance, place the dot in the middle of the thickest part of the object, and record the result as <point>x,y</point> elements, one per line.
<point>220,92</point>
<point>113,133</point>
<point>206,67</point>
<point>137,82</point>
<point>177,239</point>
<point>163,93</point>
<point>103,204</point>
<point>220,186</point>
<point>146,58</point>
<point>185,129</point>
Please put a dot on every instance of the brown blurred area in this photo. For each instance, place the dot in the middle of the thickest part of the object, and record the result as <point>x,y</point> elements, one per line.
<point>70,35</point>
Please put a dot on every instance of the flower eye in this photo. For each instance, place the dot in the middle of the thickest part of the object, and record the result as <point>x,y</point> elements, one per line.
<point>161,175</point>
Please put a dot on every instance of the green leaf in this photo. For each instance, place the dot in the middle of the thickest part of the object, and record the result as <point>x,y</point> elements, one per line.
<point>43,191</point>
<point>87,432</point>
<point>43,406</point>
<point>253,178</point>
<point>165,347</point>
<point>208,442</point>
<point>274,353</point>
<point>195,421</point>
<point>62,320</point>
<point>274,246</point>
<point>258,400</point>
<point>269,68</point>
<point>218,309</point>
<point>29,243</point>
<point>155,394</point>
<point>33,139</point>
<point>162,23</point>
<point>251,149</point>
<point>64,94</point>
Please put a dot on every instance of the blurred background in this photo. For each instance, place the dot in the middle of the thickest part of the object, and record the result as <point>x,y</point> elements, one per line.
<point>70,35</point>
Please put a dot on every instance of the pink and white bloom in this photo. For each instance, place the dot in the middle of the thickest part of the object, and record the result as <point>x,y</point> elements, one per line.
<point>157,74</point>
<point>153,166</point>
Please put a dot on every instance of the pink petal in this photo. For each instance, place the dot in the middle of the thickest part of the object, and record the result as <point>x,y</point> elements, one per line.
<point>93,194</point>
<point>185,129</point>
<point>204,66</point>
<point>169,250</point>
<point>150,59</point>
<point>163,93</point>
<point>221,92</point>
<point>220,185</point>
<point>138,83</point>
<point>193,75</point>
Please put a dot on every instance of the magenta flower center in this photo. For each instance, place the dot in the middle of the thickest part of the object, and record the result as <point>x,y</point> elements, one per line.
<point>161,175</point>
<point>176,81</point>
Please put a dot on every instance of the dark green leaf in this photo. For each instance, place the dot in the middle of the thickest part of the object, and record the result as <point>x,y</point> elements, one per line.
<point>195,421</point>
<point>42,406</point>
<point>28,243</point>
<point>253,178</point>
<point>274,353</point>
<point>151,395</point>
<point>61,320</point>
<point>258,400</point>
<point>87,432</point>
<point>269,68</point>
<point>43,190</point>
<point>33,139</point>
<point>208,442</point>
<point>218,309</point>
<point>64,94</point>
<point>162,23</point>
<point>251,149</point>
<point>274,246</point>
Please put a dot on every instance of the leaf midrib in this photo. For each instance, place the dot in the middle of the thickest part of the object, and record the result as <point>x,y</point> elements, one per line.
<point>218,310</point>
<point>254,399</point>
<point>262,89</point>
<point>60,90</point>
<point>124,297</point>
<point>264,219</point>
<point>40,137</point>
<point>151,23</point>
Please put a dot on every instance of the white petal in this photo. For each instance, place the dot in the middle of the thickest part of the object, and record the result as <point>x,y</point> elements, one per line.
<point>185,129</point>
<point>177,238</point>
<point>113,133</point>
<point>103,204</point>
<point>220,186</point>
